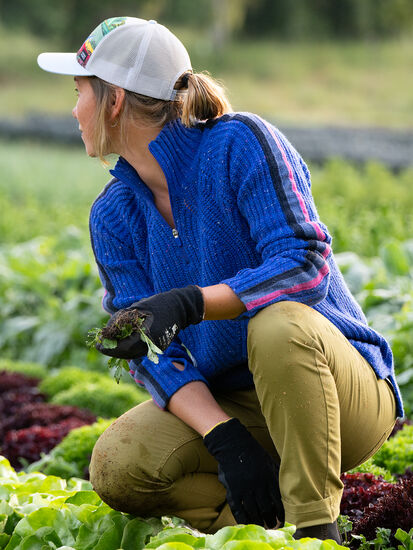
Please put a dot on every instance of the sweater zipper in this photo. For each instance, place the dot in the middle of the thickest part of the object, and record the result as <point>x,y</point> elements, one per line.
<point>179,242</point>
<point>176,236</point>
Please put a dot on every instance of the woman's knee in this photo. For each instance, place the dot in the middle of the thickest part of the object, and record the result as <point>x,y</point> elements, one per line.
<point>110,470</point>
<point>142,454</point>
<point>122,465</point>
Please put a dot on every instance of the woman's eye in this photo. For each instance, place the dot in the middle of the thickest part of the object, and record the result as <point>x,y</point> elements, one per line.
<point>77,92</point>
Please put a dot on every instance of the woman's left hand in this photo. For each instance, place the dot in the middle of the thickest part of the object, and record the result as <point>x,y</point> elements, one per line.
<point>248,473</point>
<point>165,314</point>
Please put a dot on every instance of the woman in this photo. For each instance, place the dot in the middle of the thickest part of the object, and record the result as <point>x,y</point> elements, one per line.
<point>270,376</point>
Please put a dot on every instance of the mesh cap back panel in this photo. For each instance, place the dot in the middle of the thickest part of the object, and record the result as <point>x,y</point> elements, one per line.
<point>147,59</point>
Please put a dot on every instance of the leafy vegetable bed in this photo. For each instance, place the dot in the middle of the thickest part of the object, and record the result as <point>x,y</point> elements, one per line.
<point>29,426</point>
<point>372,504</point>
<point>377,498</point>
<point>39,512</point>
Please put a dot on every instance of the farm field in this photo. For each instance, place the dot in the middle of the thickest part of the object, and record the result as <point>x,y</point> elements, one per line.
<point>50,297</point>
<point>351,83</point>
<point>57,395</point>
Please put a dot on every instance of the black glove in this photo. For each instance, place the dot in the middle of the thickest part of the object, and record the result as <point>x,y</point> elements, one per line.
<point>165,315</point>
<point>248,473</point>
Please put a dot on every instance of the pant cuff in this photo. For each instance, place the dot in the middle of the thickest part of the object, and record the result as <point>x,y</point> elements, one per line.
<point>313,513</point>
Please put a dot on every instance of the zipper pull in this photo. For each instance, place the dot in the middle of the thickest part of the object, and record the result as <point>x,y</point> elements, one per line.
<point>175,233</point>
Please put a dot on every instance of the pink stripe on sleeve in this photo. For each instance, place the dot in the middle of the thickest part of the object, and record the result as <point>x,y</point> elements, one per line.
<point>320,234</point>
<point>326,251</point>
<point>297,288</point>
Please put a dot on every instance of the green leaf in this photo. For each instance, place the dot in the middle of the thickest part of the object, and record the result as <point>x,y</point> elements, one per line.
<point>6,470</point>
<point>95,522</point>
<point>13,519</point>
<point>238,532</point>
<point>84,497</point>
<point>125,331</point>
<point>176,534</point>
<point>93,337</point>
<point>109,344</point>
<point>174,546</point>
<point>135,534</point>
<point>153,350</point>
<point>405,538</point>
<point>4,539</point>
<point>395,258</point>
<point>112,537</point>
<point>247,545</point>
<point>3,521</point>
<point>49,517</point>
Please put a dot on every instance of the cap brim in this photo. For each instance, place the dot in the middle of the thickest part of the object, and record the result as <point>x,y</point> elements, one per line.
<point>61,63</point>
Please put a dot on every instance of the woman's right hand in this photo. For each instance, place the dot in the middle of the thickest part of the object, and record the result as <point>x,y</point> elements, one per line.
<point>162,316</point>
<point>248,473</point>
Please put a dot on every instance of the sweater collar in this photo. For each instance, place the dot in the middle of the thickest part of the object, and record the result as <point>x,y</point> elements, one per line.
<point>175,149</point>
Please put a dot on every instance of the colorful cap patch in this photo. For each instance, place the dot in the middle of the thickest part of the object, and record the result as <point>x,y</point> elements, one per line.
<point>96,36</point>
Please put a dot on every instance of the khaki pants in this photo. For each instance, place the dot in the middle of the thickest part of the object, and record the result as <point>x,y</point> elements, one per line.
<point>316,400</point>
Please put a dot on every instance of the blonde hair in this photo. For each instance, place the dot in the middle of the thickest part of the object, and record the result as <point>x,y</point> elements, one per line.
<point>198,97</point>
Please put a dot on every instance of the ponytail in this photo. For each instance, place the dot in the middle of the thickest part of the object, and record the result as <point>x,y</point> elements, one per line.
<point>198,97</point>
<point>204,98</point>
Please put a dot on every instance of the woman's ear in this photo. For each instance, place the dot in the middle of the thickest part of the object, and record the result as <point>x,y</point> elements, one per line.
<point>118,97</point>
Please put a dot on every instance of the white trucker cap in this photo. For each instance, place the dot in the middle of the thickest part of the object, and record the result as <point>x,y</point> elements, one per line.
<point>138,55</point>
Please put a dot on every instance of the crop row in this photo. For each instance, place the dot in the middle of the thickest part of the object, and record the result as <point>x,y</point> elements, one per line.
<point>31,427</point>
<point>50,297</point>
<point>379,494</point>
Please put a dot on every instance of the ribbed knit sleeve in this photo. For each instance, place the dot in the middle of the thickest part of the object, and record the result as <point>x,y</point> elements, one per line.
<point>272,190</point>
<point>120,271</point>
<point>125,281</point>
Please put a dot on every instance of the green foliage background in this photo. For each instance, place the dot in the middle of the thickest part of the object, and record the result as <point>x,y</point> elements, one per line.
<point>50,293</point>
<point>70,21</point>
<point>310,61</point>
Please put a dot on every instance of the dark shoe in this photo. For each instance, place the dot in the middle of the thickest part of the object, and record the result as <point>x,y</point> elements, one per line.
<point>322,532</point>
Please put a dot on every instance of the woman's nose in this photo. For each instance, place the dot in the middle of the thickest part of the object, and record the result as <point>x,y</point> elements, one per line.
<point>74,112</point>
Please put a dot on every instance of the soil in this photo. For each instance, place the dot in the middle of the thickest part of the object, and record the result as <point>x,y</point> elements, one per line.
<point>127,317</point>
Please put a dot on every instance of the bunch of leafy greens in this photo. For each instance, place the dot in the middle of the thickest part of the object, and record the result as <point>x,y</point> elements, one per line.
<point>95,337</point>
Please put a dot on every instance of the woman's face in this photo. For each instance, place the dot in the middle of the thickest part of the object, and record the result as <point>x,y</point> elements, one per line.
<point>84,112</point>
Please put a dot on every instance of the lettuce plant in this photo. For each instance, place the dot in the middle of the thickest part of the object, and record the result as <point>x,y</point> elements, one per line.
<point>396,455</point>
<point>66,377</point>
<point>361,491</point>
<point>103,398</point>
<point>42,512</point>
<point>71,457</point>
<point>393,511</point>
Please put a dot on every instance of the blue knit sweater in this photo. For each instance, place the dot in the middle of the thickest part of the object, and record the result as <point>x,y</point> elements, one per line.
<point>244,216</point>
